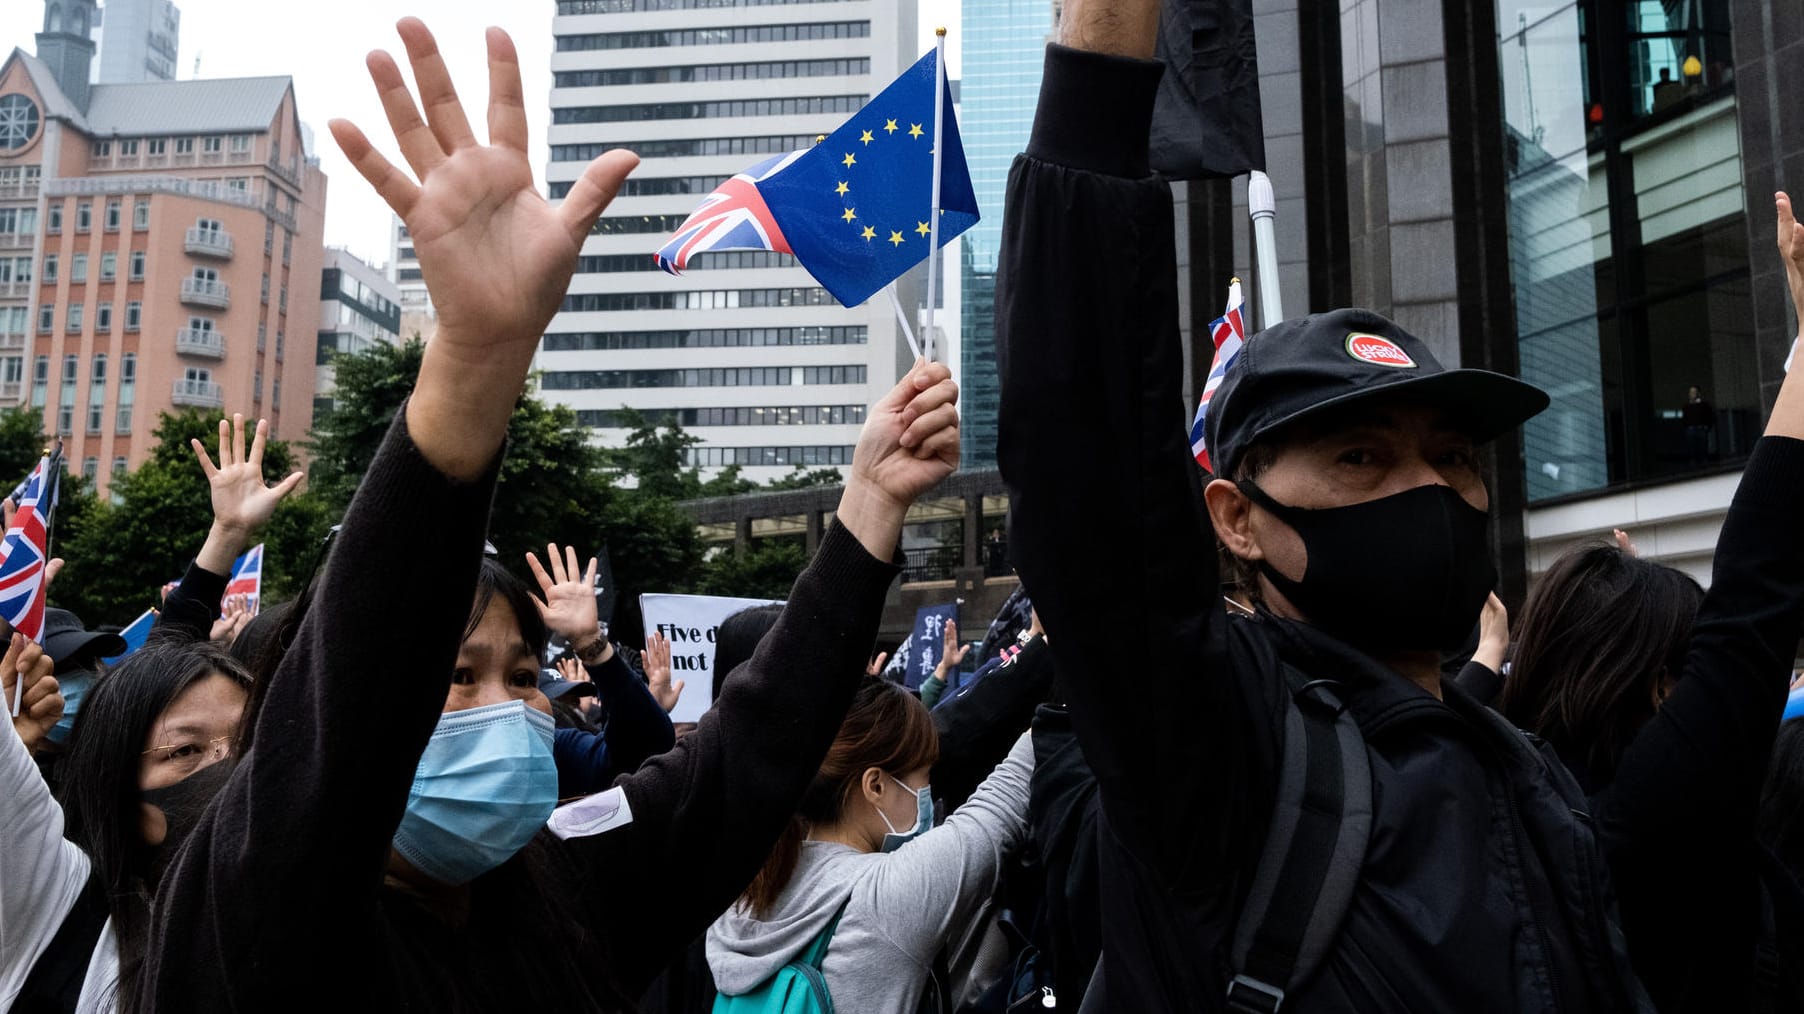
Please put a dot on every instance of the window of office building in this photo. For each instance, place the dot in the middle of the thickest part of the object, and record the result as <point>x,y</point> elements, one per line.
<point>1628,240</point>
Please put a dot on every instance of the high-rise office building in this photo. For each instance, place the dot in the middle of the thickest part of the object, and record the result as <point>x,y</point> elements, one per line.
<point>417,317</point>
<point>745,351</point>
<point>1004,46</point>
<point>160,249</point>
<point>138,40</point>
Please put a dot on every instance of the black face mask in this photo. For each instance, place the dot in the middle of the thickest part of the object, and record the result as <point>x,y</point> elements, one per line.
<point>182,804</point>
<point>1403,572</point>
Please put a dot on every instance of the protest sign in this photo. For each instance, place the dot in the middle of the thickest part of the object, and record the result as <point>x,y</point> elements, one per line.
<point>928,642</point>
<point>692,624</point>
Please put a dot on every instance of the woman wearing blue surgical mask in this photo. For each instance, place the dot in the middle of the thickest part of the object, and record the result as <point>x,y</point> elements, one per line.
<point>863,870</point>
<point>383,843</point>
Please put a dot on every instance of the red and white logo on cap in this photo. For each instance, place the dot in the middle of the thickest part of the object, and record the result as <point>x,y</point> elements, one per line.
<point>1379,351</point>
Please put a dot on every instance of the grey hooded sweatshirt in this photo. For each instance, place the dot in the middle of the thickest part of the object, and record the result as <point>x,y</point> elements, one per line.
<point>901,907</point>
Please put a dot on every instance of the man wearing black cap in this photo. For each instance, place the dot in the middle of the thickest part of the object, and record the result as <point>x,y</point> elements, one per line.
<point>77,652</point>
<point>1349,493</point>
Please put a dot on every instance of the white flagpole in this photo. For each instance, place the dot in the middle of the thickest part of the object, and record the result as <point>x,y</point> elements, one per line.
<point>933,213</point>
<point>902,319</point>
<point>1263,208</point>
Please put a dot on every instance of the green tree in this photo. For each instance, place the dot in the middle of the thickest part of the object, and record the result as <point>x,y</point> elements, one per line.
<point>371,387</point>
<point>803,478</point>
<point>21,444</point>
<point>764,571</point>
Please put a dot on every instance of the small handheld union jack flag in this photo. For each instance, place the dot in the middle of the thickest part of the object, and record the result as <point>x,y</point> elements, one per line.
<point>25,551</point>
<point>1229,332</point>
<point>247,578</point>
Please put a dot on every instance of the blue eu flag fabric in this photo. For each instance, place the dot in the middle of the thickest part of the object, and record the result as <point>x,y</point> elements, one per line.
<point>855,207</point>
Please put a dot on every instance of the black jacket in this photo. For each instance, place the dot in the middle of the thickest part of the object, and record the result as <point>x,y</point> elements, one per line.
<point>1483,888</point>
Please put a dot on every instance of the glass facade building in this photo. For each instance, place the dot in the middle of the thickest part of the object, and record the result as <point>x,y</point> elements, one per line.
<point>1573,191</point>
<point>1004,46</point>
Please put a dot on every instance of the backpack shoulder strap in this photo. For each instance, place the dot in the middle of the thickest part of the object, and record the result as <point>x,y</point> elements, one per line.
<point>816,951</point>
<point>1315,847</point>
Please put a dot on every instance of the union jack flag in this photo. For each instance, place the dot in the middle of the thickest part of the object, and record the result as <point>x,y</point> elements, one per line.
<point>247,577</point>
<point>734,217</point>
<point>1229,332</point>
<point>25,551</point>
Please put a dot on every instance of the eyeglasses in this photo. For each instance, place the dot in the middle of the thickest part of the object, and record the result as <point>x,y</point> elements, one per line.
<point>191,753</point>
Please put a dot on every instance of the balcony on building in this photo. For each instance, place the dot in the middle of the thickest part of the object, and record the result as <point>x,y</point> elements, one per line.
<point>209,243</point>
<point>17,240</point>
<point>12,342</point>
<point>200,292</point>
<point>16,289</point>
<point>198,394</point>
<point>11,392</point>
<point>196,342</point>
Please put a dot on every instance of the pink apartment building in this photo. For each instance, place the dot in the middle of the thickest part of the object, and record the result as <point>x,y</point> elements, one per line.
<point>160,249</point>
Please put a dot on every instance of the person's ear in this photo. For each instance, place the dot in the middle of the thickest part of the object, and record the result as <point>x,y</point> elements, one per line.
<point>871,782</point>
<point>1663,687</point>
<point>1231,513</point>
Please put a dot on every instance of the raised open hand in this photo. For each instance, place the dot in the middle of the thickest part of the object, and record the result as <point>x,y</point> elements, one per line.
<point>952,654</point>
<point>232,620</point>
<point>1791,249</point>
<point>567,596</point>
<point>496,255</point>
<point>40,703</point>
<point>242,503</point>
<point>572,671</point>
<point>656,659</point>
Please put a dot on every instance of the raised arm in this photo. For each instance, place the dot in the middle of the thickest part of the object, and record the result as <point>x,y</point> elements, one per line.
<point>281,877</point>
<point>637,726</point>
<point>713,806</point>
<point>1702,759</point>
<point>1106,525</point>
<point>242,503</point>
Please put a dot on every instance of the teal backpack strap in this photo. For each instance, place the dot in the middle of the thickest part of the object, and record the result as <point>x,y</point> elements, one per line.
<point>816,952</point>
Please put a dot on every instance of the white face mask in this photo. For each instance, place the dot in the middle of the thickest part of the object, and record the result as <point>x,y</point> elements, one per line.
<point>923,816</point>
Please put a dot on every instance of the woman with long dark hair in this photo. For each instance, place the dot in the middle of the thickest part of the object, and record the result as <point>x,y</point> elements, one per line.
<point>863,864</point>
<point>140,764</point>
<point>383,844</point>
<point>1664,701</point>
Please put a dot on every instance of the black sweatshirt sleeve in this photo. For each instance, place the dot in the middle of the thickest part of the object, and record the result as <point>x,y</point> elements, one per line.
<point>1480,682</point>
<point>192,605</point>
<point>1106,517</point>
<point>1701,761</point>
<point>637,727</point>
<point>279,880</point>
<point>705,814</point>
<point>978,729</point>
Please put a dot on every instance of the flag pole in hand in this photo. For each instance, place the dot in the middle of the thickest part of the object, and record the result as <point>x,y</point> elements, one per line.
<point>933,214</point>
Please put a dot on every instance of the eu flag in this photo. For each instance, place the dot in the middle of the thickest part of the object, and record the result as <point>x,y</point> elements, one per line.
<point>854,209</point>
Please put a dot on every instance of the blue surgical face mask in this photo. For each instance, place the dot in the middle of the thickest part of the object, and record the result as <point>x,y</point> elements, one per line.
<point>485,785</point>
<point>923,817</point>
<point>73,686</point>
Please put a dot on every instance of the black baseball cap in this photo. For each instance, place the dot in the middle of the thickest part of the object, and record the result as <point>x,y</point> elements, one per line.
<point>554,686</point>
<point>1300,368</point>
<point>72,646</point>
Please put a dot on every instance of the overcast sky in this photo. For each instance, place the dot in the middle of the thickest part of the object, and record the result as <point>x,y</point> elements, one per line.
<point>322,44</point>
